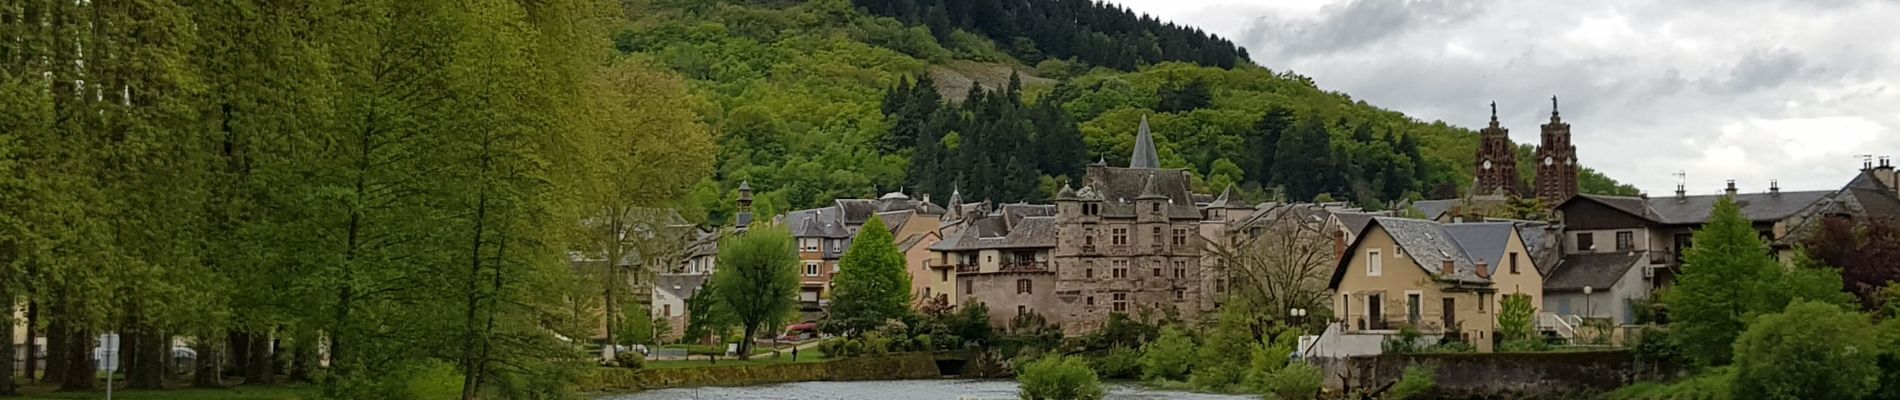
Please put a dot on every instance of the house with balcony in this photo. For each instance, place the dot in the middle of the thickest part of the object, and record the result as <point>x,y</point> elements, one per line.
<point>1444,280</point>
<point>1000,258</point>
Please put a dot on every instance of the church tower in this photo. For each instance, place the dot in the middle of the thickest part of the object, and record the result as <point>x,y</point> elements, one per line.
<point>1497,159</point>
<point>1556,161</point>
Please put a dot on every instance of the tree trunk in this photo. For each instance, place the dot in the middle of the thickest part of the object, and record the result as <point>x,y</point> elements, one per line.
<point>304,360</point>
<point>239,344</point>
<point>32,344</point>
<point>258,368</point>
<point>128,351</point>
<point>6,349</point>
<point>745,343</point>
<point>146,369</point>
<point>56,340</point>
<point>210,362</point>
<point>81,373</point>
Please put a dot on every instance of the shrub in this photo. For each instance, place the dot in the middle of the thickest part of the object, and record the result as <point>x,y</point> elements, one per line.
<point>1890,361</point>
<point>1417,381</point>
<point>630,359</point>
<point>1811,351</point>
<point>1656,352</point>
<point>1711,385</point>
<point>1295,381</point>
<point>1120,363</point>
<point>1268,359</point>
<point>1406,342</point>
<point>1060,378</point>
<point>1524,346</point>
<point>1169,356</point>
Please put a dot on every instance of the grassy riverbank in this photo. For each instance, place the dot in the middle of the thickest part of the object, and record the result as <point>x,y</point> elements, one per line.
<point>763,371</point>
<point>287,392</point>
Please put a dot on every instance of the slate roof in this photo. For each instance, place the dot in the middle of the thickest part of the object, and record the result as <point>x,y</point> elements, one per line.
<point>1355,222</point>
<point>835,221</point>
<point>706,244</point>
<point>817,222</point>
<point>1117,189</point>
<point>1226,200</point>
<point>683,286</point>
<point>1429,244</point>
<point>912,241</point>
<point>1544,254</point>
<point>1434,208</point>
<point>1692,210</point>
<point>1483,241</point>
<point>1596,270</point>
<point>989,233</point>
<point>1145,155</point>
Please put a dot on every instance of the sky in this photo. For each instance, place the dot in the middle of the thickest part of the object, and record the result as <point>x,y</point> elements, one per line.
<point>1750,90</point>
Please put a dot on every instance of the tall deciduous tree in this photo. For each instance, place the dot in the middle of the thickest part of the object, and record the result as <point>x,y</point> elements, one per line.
<point>1287,266</point>
<point>872,283</point>
<point>757,279</point>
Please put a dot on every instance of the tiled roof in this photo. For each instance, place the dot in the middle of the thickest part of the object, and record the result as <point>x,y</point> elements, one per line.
<point>1597,270</point>
<point>1545,254</point>
<point>1355,222</point>
<point>1434,208</point>
<point>1429,244</point>
<point>1483,241</point>
<point>989,232</point>
<point>1689,210</point>
<point>683,286</point>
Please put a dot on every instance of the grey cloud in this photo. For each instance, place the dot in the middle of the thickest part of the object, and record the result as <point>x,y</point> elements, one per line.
<point>1358,23</point>
<point>1764,69</point>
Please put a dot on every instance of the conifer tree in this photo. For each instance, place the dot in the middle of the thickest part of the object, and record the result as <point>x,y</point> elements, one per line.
<point>1725,279</point>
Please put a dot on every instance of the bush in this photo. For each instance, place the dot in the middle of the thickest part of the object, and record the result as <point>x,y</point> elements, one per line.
<point>1120,363</point>
<point>1655,352</point>
<point>1524,346</point>
<point>1889,362</point>
<point>1417,381</point>
<point>1711,385</point>
<point>1168,357</point>
<point>1295,381</point>
<point>1060,378</point>
<point>1811,351</point>
<point>1268,359</point>
<point>630,360</point>
<point>1406,342</point>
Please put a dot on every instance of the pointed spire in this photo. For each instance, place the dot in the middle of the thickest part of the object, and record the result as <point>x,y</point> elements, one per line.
<point>1148,190</point>
<point>1067,193</point>
<point>1145,156</point>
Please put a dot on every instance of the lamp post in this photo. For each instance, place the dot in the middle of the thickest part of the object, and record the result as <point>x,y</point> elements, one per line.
<point>1297,316</point>
<point>1588,306</point>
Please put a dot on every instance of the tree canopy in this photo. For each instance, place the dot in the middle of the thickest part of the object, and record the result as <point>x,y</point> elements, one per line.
<point>757,279</point>
<point>872,285</point>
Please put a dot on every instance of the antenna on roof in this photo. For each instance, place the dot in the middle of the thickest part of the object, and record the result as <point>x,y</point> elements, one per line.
<point>1682,178</point>
<point>1866,161</point>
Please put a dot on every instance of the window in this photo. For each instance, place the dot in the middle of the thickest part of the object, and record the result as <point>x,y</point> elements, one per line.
<point>1375,265</point>
<point>1157,235</point>
<point>808,244</point>
<point>1625,241</point>
<point>1180,294</point>
<point>969,287</point>
<point>1180,237</point>
<point>1088,237</point>
<point>837,245</point>
<point>811,269</point>
<point>926,292</point>
<point>1157,269</point>
<point>1180,269</point>
<point>1586,241</point>
<point>1220,285</point>
<point>1155,208</point>
<point>1020,310</point>
<point>1120,236</point>
<point>1120,269</point>
<point>1088,273</point>
<point>1414,304</point>
<point>1089,300</point>
<point>666,310</point>
<point>834,268</point>
<point>1023,286</point>
<point>1482,302</point>
<point>1513,264</point>
<point>1121,302</point>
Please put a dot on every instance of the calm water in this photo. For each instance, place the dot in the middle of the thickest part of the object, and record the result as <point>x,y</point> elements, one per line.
<point>946,389</point>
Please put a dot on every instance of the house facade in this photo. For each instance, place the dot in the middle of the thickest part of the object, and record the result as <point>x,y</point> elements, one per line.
<point>1001,258</point>
<point>1441,279</point>
<point>824,234</point>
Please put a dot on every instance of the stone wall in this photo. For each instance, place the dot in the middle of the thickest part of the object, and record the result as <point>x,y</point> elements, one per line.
<point>1490,375</point>
<point>870,368</point>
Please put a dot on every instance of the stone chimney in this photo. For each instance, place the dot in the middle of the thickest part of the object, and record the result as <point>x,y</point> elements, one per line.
<point>1484,270</point>
<point>1774,186</point>
<point>1885,173</point>
<point>1339,244</point>
<point>1731,188</point>
<point>1450,268</point>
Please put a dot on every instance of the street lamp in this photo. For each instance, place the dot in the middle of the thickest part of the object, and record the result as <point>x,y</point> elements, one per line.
<point>1298,315</point>
<point>1588,307</point>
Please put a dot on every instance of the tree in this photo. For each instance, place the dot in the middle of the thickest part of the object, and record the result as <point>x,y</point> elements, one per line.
<point>1287,266</point>
<point>872,284</point>
<point>1060,378</point>
<point>1516,317</point>
<point>757,279</point>
<point>1169,357</point>
<point>1725,278</point>
<point>1222,360</point>
<point>1810,351</point>
<point>1867,253</point>
<point>705,315</point>
<point>1303,159</point>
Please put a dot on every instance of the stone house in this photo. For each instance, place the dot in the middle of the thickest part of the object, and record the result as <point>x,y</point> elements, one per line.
<point>1442,279</point>
<point>671,292</point>
<point>1129,240</point>
<point>1000,258</point>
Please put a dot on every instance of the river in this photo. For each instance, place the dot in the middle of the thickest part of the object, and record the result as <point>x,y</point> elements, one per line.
<point>940,389</point>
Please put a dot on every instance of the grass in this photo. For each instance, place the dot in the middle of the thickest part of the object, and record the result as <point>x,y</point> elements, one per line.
<point>805,356</point>
<point>1710,385</point>
<point>287,392</point>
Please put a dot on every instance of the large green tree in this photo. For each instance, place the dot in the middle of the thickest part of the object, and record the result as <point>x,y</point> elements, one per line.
<point>1810,351</point>
<point>872,283</point>
<point>1726,278</point>
<point>757,279</point>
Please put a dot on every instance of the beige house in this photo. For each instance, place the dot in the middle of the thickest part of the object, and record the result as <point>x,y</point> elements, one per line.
<point>926,282</point>
<point>1441,279</point>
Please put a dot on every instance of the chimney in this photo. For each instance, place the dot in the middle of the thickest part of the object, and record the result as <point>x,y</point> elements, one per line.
<point>1450,268</point>
<point>1339,244</point>
<point>1885,173</point>
<point>1731,188</point>
<point>1484,270</point>
<point>1774,186</point>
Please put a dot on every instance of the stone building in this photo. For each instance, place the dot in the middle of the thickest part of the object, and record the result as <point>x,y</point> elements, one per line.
<point>1497,177</point>
<point>1128,240</point>
<point>1556,161</point>
<point>823,234</point>
<point>1497,159</point>
<point>1000,258</point>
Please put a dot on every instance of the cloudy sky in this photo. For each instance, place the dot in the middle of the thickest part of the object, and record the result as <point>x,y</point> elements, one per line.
<point>1750,90</point>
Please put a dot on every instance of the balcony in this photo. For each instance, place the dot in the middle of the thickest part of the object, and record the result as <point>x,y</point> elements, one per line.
<point>1662,257</point>
<point>968,268</point>
<point>1025,266</point>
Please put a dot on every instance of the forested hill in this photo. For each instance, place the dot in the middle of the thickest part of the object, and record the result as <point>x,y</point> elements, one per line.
<point>816,100</point>
<point>1089,31</point>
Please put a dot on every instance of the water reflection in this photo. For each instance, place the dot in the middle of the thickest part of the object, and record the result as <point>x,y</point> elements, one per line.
<point>946,389</point>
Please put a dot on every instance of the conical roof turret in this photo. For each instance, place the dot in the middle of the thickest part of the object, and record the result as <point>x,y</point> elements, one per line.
<point>1145,155</point>
<point>1148,190</point>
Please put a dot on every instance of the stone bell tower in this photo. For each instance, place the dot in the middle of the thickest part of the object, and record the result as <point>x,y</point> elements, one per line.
<point>1556,161</point>
<point>1497,159</point>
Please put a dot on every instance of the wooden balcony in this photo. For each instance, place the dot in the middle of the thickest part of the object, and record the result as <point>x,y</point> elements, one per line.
<point>1025,266</point>
<point>969,268</point>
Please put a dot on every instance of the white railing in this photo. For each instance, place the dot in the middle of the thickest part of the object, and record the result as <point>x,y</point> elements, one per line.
<point>1564,325</point>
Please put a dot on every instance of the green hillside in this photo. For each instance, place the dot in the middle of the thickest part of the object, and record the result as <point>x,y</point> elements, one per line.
<point>796,92</point>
